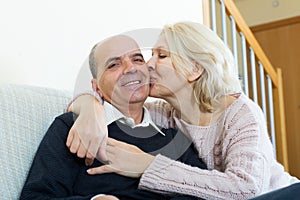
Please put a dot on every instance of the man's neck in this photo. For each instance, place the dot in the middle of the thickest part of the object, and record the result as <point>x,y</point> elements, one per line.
<point>132,110</point>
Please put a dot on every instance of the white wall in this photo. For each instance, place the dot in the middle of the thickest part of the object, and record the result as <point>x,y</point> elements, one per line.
<point>257,12</point>
<point>46,42</point>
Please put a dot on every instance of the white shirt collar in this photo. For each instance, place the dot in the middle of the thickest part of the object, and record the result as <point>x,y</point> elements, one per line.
<point>113,114</point>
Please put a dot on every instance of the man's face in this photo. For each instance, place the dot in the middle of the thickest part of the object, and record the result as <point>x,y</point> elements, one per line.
<point>123,76</point>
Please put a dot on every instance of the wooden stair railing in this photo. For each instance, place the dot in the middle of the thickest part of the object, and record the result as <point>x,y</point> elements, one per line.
<point>224,18</point>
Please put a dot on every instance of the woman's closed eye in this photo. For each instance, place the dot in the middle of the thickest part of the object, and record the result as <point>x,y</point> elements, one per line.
<point>162,56</point>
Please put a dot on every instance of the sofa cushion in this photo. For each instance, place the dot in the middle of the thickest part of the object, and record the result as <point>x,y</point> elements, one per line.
<point>26,114</point>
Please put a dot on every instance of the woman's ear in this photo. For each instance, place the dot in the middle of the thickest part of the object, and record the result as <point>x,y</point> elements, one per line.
<point>196,73</point>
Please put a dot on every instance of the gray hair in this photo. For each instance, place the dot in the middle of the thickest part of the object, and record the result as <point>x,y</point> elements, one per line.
<point>92,61</point>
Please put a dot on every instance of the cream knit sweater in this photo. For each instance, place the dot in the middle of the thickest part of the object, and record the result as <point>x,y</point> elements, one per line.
<point>236,149</point>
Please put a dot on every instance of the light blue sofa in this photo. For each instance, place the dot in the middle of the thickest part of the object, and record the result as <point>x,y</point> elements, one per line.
<point>26,113</point>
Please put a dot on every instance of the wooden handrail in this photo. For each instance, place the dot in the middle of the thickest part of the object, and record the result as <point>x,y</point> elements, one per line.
<point>244,28</point>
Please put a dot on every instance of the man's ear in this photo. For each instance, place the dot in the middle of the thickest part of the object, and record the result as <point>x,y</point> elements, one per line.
<point>95,87</point>
<point>196,73</point>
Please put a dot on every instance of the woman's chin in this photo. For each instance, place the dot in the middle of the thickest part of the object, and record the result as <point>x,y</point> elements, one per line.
<point>156,90</point>
<point>153,91</point>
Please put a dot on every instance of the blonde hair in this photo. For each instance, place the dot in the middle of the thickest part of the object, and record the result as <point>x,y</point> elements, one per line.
<point>191,43</point>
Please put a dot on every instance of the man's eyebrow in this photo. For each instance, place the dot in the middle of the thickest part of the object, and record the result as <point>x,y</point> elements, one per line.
<point>137,54</point>
<point>119,58</point>
<point>112,59</point>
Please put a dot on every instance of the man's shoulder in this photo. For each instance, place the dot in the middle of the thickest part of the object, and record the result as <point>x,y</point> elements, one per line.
<point>61,126</point>
<point>66,118</point>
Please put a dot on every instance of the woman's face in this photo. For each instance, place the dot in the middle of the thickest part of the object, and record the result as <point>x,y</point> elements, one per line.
<point>165,80</point>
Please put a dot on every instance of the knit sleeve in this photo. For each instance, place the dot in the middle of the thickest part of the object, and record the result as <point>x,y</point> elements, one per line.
<point>243,171</point>
<point>161,113</point>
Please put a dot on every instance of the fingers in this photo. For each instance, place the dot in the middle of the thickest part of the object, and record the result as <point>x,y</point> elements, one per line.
<point>101,151</point>
<point>89,160</point>
<point>104,169</point>
<point>110,197</point>
<point>70,137</point>
<point>89,152</point>
<point>75,143</point>
<point>75,146</point>
<point>82,151</point>
<point>106,197</point>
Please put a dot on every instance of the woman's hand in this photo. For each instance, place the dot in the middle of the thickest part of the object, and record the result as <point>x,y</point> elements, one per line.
<point>88,135</point>
<point>124,159</point>
<point>106,197</point>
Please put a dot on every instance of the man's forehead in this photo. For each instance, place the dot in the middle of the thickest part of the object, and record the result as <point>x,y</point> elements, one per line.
<point>117,46</point>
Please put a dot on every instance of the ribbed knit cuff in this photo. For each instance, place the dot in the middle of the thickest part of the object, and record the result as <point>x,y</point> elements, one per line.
<point>153,173</point>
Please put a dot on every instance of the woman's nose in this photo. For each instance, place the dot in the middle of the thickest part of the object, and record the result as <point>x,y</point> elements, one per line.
<point>151,63</point>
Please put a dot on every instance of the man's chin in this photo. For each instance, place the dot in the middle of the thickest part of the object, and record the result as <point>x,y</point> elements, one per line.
<point>139,95</point>
<point>137,99</point>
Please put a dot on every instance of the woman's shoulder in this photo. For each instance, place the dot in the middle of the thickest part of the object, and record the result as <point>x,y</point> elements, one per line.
<point>244,109</point>
<point>244,103</point>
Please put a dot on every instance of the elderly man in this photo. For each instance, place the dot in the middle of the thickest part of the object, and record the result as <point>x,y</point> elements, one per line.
<point>121,75</point>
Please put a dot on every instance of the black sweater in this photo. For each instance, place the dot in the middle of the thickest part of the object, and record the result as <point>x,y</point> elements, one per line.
<point>57,174</point>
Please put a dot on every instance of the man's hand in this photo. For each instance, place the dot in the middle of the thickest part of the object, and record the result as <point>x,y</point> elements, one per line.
<point>124,159</point>
<point>88,135</point>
